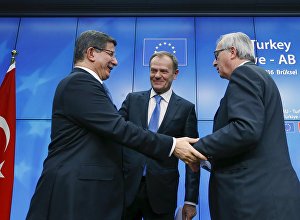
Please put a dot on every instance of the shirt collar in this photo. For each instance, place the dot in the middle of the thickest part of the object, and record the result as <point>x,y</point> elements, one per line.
<point>91,72</point>
<point>244,63</point>
<point>166,95</point>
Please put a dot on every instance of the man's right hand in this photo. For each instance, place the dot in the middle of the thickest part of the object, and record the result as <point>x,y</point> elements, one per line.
<point>185,152</point>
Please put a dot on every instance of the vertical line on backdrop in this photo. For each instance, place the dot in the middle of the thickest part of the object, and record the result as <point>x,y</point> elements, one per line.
<point>255,38</point>
<point>76,33</point>
<point>196,69</point>
<point>134,53</point>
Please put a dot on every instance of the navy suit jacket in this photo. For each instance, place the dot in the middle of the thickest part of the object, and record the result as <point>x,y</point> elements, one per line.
<point>252,176</point>
<point>82,176</point>
<point>162,176</point>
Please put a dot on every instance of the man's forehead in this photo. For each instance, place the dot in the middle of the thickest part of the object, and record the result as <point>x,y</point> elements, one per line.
<point>219,45</point>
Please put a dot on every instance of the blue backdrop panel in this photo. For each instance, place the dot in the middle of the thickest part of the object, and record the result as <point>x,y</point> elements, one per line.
<point>123,30</point>
<point>278,52</point>
<point>45,48</point>
<point>175,35</point>
<point>293,134</point>
<point>181,186</point>
<point>204,128</point>
<point>8,35</point>
<point>210,87</point>
<point>31,150</point>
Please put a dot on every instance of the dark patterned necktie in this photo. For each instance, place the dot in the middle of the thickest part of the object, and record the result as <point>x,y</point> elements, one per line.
<point>107,92</point>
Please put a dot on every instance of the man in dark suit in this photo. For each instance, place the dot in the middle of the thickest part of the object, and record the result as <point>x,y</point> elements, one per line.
<point>151,186</point>
<point>251,172</point>
<point>82,176</point>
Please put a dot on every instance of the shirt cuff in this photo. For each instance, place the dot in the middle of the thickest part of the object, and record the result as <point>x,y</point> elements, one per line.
<point>173,147</point>
<point>190,203</point>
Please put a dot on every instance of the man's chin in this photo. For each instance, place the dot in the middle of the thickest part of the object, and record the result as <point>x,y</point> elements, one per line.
<point>159,90</point>
<point>107,75</point>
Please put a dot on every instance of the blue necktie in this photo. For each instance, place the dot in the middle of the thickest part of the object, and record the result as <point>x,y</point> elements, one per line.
<point>154,120</point>
<point>107,92</point>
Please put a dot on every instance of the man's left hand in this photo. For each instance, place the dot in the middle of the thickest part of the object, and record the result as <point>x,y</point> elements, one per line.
<point>188,212</point>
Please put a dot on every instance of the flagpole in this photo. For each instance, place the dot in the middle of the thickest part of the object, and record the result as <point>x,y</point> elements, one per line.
<point>14,53</point>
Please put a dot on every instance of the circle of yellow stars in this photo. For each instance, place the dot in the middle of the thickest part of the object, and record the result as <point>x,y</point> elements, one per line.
<point>172,47</point>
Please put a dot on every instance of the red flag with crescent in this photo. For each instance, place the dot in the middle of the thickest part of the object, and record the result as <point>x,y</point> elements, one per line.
<point>7,140</point>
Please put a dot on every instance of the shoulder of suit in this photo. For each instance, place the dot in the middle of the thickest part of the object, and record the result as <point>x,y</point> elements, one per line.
<point>249,71</point>
<point>181,99</point>
<point>139,93</point>
<point>79,72</point>
<point>80,75</point>
<point>250,65</point>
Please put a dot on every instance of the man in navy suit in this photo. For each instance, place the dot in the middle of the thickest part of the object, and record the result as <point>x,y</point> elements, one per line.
<point>151,185</point>
<point>82,176</point>
<point>251,172</point>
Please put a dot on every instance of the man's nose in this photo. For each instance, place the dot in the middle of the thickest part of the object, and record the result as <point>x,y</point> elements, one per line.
<point>157,74</point>
<point>215,63</point>
<point>115,61</point>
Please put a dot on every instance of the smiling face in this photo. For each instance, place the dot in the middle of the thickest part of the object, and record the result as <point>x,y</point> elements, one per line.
<point>105,61</point>
<point>162,73</point>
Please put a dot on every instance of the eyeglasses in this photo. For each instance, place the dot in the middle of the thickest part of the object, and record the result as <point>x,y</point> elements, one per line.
<point>108,52</point>
<point>217,52</point>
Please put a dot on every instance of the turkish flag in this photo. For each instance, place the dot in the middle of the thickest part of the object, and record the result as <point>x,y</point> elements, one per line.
<point>7,140</point>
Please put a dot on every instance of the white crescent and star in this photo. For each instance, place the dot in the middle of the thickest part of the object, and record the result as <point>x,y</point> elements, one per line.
<point>5,127</point>
<point>1,164</point>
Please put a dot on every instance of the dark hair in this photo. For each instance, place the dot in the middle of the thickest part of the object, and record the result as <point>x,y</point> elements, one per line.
<point>165,53</point>
<point>90,38</point>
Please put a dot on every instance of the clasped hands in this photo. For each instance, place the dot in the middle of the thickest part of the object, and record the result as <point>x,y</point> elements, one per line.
<point>187,153</point>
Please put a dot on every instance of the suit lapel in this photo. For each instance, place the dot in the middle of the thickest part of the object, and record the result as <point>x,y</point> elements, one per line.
<point>143,109</point>
<point>173,106</point>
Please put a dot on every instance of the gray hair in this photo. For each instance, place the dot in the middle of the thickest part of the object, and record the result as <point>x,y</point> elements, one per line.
<point>90,38</point>
<point>241,42</point>
<point>165,53</point>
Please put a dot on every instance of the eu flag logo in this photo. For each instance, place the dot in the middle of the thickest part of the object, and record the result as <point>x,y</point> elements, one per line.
<point>289,127</point>
<point>175,46</point>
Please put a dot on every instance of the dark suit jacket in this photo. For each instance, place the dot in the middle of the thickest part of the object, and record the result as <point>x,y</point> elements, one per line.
<point>82,176</point>
<point>252,176</point>
<point>162,176</point>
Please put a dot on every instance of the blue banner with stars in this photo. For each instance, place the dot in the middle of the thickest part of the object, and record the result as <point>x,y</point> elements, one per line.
<point>175,46</point>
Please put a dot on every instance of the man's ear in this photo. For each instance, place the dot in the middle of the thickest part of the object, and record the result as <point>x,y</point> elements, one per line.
<point>90,54</point>
<point>176,73</point>
<point>233,52</point>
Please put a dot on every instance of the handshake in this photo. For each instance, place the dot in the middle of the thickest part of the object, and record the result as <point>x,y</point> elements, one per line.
<point>185,152</point>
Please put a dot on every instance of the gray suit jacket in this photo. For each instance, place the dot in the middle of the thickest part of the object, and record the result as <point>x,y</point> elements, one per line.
<point>162,176</point>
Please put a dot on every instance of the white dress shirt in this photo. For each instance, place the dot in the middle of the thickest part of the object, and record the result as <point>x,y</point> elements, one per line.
<point>163,104</point>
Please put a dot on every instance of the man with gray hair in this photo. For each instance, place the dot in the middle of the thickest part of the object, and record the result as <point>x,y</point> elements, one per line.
<point>251,172</point>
